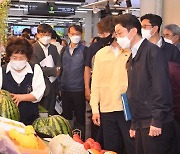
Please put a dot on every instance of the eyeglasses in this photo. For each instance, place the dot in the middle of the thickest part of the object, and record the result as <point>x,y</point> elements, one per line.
<point>168,35</point>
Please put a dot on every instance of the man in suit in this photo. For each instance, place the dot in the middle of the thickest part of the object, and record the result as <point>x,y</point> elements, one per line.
<point>149,91</point>
<point>43,50</point>
<point>150,29</point>
<point>174,72</point>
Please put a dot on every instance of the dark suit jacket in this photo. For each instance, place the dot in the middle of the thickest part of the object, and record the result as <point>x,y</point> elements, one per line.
<point>170,52</point>
<point>149,89</point>
<point>38,56</point>
<point>174,71</point>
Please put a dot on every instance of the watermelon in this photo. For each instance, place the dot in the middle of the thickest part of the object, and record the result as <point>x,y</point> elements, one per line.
<point>39,123</point>
<point>49,130</point>
<point>59,124</point>
<point>8,108</point>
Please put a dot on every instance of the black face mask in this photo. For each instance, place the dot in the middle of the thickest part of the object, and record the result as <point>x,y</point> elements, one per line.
<point>107,40</point>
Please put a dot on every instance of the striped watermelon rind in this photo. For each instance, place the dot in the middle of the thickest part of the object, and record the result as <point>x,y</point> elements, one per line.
<point>49,130</point>
<point>39,123</point>
<point>8,108</point>
<point>59,124</point>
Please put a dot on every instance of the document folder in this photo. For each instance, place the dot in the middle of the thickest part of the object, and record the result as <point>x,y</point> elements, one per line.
<point>127,113</point>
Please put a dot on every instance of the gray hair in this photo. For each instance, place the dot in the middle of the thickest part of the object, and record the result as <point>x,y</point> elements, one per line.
<point>175,29</point>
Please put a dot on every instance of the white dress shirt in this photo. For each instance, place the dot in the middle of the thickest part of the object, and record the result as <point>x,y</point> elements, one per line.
<point>71,49</point>
<point>58,46</point>
<point>45,48</point>
<point>38,84</point>
<point>159,43</point>
<point>135,48</point>
<point>115,50</point>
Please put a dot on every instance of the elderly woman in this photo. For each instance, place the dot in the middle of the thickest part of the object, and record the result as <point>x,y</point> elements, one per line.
<point>23,80</point>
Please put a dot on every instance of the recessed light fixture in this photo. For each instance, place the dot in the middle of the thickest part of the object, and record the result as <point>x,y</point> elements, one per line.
<point>35,1</point>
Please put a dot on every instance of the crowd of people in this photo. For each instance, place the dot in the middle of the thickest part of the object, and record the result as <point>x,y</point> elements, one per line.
<point>129,56</point>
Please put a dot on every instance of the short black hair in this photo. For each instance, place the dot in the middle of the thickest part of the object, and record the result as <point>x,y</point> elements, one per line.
<point>154,20</point>
<point>44,28</point>
<point>128,21</point>
<point>26,31</point>
<point>76,27</point>
<point>59,39</point>
<point>56,36</point>
<point>25,35</point>
<point>19,45</point>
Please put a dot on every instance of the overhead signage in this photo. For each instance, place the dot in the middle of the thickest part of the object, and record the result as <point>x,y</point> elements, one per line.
<point>50,9</point>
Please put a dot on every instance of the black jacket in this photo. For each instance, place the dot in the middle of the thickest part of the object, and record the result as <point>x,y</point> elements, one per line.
<point>149,90</point>
<point>171,52</point>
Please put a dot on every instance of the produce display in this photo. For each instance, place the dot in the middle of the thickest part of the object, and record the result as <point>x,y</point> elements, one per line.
<point>8,108</point>
<point>53,125</point>
<point>92,146</point>
<point>20,138</point>
<point>27,140</point>
<point>64,144</point>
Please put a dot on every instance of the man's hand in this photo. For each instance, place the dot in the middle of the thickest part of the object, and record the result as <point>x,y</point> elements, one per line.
<point>96,119</point>
<point>154,131</point>
<point>87,93</point>
<point>132,133</point>
<point>17,98</point>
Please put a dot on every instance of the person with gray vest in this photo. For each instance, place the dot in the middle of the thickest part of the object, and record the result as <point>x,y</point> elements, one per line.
<point>72,80</point>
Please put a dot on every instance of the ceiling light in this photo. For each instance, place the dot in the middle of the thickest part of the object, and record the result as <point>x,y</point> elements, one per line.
<point>79,11</point>
<point>12,20</point>
<point>16,9</point>
<point>9,18</point>
<point>71,3</point>
<point>36,19</point>
<point>35,1</point>
<point>115,13</point>
<point>84,9</point>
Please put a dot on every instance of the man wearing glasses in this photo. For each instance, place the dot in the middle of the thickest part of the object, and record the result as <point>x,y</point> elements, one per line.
<point>171,34</point>
<point>151,24</point>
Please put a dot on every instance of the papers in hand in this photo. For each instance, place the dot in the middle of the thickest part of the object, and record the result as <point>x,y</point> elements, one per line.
<point>48,62</point>
<point>127,113</point>
<point>58,105</point>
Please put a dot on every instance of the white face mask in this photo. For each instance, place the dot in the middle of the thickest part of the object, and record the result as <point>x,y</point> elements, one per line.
<point>124,42</point>
<point>146,33</point>
<point>18,65</point>
<point>168,40</point>
<point>75,39</point>
<point>45,40</point>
